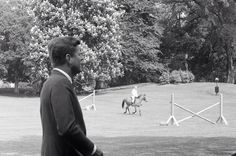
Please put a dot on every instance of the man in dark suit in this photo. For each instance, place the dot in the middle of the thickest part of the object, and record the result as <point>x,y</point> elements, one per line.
<point>64,131</point>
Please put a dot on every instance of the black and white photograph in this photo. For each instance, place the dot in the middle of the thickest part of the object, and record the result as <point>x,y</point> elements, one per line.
<point>117,77</point>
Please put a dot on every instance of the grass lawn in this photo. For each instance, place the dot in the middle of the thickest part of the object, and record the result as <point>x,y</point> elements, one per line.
<point>118,134</point>
<point>136,146</point>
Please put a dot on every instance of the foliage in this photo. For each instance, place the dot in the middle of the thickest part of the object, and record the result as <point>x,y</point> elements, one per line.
<point>179,76</point>
<point>140,39</point>
<point>23,92</point>
<point>24,85</point>
<point>205,30</point>
<point>175,77</point>
<point>85,85</point>
<point>14,42</point>
<point>187,76</point>
<point>165,78</point>
<point>93,22</point>
<point>4,84</point>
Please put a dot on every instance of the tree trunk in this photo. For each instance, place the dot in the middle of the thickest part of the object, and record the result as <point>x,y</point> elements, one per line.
<point>230,66</point>
<point>16,89</point>
<point>230,72</point>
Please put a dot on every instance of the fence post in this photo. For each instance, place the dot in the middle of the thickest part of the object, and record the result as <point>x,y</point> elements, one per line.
<point>93,102</point>
<point>172,119</point>
<point>92,106</point>
<point>221,118</point>
<point>172,104</point>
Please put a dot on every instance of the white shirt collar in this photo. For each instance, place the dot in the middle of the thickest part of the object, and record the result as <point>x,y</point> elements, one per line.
<point>64,73</point>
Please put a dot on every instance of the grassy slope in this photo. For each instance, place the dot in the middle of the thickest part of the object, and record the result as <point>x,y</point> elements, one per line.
<point>120,134</point>
<point>109,119</point>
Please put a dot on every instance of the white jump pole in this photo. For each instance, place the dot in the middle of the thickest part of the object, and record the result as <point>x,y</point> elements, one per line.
<point>93,100</point>
<point>221,118</point>
<point>92,106</point>
<point>172,120</point>
<point>194,114</point>
<point>85,97</point>
<point>199,112</point>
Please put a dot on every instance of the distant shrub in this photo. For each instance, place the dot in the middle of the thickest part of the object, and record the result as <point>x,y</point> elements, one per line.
<point>24,85</point>
<point>1,83</point>
<point>165,78</point>
<point>23,92</point>
<point>5,85</point>
<point>29,92</point>
<point>84,86</point>
<point>184,76</point>
<point>179,76</point>
<point>175,77</point>
<point>153,77</point>
<point>191,76</point>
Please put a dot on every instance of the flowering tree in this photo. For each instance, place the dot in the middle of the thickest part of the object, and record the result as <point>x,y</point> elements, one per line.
<point>94,22</point>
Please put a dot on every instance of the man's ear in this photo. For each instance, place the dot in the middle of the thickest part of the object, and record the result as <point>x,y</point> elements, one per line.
<point>68,57</point>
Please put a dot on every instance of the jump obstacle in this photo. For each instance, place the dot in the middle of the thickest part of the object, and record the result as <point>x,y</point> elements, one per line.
<point>92,106</point>
<point>172,120</point>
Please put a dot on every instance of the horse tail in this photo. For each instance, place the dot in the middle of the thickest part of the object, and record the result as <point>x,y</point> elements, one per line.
<point>123,103</point>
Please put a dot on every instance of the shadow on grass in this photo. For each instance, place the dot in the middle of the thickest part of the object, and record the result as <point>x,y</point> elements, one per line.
<point>29,145</point>
<point>136,146</point>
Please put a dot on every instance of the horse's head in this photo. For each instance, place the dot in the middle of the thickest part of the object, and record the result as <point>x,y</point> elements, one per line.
<point>143,97</point>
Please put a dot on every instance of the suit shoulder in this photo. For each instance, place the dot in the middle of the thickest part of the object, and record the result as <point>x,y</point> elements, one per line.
<point>57,81</point>
<point>54,79</point>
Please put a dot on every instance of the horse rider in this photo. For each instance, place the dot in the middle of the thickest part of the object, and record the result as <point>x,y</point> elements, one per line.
<point>134,94</point>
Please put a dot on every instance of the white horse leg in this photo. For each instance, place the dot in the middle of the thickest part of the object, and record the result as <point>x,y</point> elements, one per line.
<point>135,109</point>
<point>139,111</point>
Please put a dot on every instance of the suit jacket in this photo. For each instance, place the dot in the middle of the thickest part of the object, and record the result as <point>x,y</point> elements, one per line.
<point>64,131</point>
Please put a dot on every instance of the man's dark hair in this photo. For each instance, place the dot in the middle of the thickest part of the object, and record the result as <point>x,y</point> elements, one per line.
<point>59,47</point>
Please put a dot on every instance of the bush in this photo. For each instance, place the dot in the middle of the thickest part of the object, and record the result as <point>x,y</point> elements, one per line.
<point>84,85</point>
<point>179,76</point>
<point>29,92</point>
<point>187,76</point>
<point>175,77</point>
<point>23,92</point>
<point>101,82</point>
<point>184,76</point>
<point>1,83</point>
<point>24,85</point>
<point>153,77</point>
<point>165,78</point>
<point>191,76</point>
<point>37,85</point>
<point>5,84</point>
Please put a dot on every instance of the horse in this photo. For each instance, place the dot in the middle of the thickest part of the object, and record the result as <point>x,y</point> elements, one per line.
<point>137,103</point>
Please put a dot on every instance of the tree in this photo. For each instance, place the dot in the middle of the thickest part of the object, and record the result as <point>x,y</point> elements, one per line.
<point>140,40</point>
<point>210,28</point>
<point>92,21</point>
<point>15,37</point>
<point>224,27</point>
